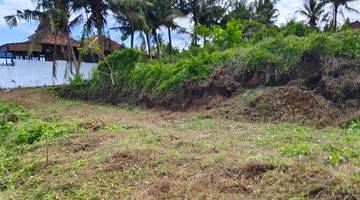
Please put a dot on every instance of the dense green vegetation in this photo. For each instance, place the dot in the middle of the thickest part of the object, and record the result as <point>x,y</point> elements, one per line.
<point>281,53</point>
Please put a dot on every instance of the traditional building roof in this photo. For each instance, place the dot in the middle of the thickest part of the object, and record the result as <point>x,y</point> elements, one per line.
<point>60,40</point>
<point>19,47</point>
<point>355,25</point>
<point>44,35</point>
<point>106,43</point>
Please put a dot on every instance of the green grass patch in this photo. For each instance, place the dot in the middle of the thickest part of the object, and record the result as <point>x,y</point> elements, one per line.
<point>22,132</point>
<point>333,145</point>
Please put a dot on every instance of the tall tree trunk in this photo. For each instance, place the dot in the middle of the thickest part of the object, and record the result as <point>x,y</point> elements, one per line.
<point>54,63</point>
<point>72,53</point>
<point>336,7</point>
<point>194,37</point>
<point>148,44</point>
<point>132,39</point>
<point>196,12</point>
<point>170,41</point>
<point>98,25</point>
<point>54,57</point>
<point>100,33</point>
<point>157,43</point>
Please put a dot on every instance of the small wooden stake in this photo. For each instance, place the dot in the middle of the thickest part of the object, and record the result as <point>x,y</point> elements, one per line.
<point>47,149</point>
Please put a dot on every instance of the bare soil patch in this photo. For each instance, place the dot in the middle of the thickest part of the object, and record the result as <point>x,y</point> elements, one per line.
<point>125,160</point>
<point>27,97</point>
<point>254,169</point>
<point>292,104</point>
<point>90,142</point>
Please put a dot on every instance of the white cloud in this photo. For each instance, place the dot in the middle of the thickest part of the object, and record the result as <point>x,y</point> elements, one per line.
<point>287,9</point>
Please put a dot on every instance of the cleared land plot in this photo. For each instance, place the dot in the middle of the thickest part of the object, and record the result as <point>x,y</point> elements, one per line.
<point>121,152</point>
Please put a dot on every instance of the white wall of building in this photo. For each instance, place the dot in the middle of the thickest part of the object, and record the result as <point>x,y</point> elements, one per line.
<point>30,73</point>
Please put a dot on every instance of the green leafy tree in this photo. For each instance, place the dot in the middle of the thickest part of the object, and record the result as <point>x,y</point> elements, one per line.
<point>204,32</point>
<point>296,28</point>
<point>229,37</point>
<point>312,10</point>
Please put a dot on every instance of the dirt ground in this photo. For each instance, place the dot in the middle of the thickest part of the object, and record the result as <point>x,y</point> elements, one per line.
<point>134,153</point>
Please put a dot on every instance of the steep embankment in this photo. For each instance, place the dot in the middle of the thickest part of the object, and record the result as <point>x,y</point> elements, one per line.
<point>325,68</point>
<point>120,152</point>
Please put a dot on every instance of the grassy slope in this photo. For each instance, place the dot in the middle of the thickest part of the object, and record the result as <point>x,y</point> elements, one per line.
<point>146,154</point>
<point>283,55</point>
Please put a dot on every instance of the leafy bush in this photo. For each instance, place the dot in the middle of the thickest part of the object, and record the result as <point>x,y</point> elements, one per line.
<point>354,126</point>
<point>17,126</point>
<point>159,77</point>
<point>296,28</point>
<point>257,59</point>
<point>10,114</point>
<point>229,37</point>
<point>35,130</point>
<point>341,44</point>
<point>251,27</point>
<point>266,33</point>
<point>204,31</point>
<point>346,44</point>
<point>118,64</point>
<point>274,55</point>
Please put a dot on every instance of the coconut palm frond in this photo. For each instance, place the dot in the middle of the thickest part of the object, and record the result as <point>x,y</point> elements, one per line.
<point>76,21</point>
<point>351,9</point>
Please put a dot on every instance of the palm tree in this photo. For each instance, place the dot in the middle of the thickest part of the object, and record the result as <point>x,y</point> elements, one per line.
<point>203,12</point>
<point>312,11</point>
<point>238,10</point>
<point>96,12</point>
<point>54,18</point>
<point>335,6</point>
<point>130,19</point>
<point>153,20</point>
<point>162,13</point>
<point>168,13</point>
<point>170,24</point>
<point>126,28</point>
<point>265,11</point>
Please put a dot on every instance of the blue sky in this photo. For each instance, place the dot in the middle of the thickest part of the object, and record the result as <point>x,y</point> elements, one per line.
<point>286,9</point>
